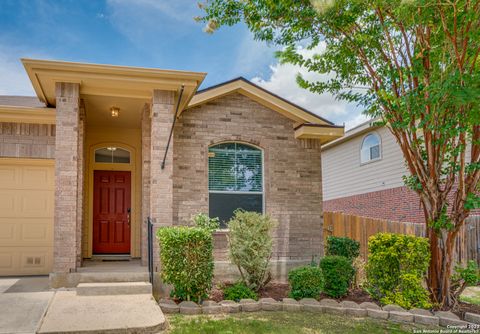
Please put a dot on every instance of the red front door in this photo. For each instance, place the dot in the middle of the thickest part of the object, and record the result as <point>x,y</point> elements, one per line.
<point>111,212</point>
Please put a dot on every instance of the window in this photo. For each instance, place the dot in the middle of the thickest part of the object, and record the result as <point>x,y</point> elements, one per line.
<point>235,180</point>
<point>370,148</point>
<point>112,155</point>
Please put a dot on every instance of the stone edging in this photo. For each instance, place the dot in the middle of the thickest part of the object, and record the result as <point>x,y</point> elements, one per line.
<point>389,312</point>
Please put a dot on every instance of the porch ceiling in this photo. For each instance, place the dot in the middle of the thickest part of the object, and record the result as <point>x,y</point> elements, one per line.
<point>109,80</point>
<point>98,113</point>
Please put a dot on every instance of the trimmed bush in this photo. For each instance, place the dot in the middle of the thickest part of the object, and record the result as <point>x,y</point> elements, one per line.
<point>337,274</point>
<point>396,268</point>
<point>408,294</point>
<point>250,245</point>
<point>186,254</point>
<point>239,291</point>
<point>305,282</point>
<point>343,246</point>
<point>202,220</point>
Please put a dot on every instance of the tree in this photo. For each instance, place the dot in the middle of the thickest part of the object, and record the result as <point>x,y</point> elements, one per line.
<point>413,64</point>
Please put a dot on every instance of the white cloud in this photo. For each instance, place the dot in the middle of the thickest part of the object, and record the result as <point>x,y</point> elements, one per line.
<point>251,54</point>
<point>282,81</point>
<point>14,79</point>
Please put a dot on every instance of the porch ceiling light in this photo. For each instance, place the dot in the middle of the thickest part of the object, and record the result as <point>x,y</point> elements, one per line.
<point>115,111</point>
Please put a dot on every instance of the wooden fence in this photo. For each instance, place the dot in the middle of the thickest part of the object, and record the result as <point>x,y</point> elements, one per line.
<point>361,228</point>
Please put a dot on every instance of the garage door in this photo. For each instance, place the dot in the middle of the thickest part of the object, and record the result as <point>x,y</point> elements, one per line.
<point>26,216</point>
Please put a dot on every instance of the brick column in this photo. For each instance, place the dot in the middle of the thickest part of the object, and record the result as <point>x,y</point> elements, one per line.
<point>66,177</point>
<point>146,133</point>
<point>161,180</point>
<point>80,178</point>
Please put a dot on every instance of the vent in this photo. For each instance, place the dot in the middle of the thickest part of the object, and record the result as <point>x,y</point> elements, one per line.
<point>34,261</point>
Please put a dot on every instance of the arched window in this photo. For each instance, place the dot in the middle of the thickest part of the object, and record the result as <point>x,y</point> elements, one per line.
<point>235,180</point>
<point>112,155</point>
<point>370,148</point>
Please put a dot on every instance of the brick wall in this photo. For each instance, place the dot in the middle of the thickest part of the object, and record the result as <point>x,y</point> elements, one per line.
<point>292,171</point>
<point>399,204</point>
<point>19,140</point>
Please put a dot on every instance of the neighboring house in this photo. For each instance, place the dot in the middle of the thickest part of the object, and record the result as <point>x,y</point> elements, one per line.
<point>362,175</point>
<point>90,158</point>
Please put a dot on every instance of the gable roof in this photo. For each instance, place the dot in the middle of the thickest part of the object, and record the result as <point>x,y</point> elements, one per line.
<point>358,130</point>
<point>261,95</point>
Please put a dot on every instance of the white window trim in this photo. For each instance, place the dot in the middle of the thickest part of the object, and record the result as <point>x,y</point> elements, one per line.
<point>380,157</point>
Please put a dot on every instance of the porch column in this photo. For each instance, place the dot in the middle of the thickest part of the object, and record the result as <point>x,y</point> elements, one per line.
<point>161,182</point>
<point>66,177</point>
<point>146,142</point>
<point>80,186</point>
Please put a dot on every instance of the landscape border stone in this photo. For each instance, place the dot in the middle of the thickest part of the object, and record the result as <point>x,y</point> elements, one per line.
<point>366,309</point>
<point>291,305</point>
<point>190,308</point>
<point>270,304</point>
<point>250,305</point>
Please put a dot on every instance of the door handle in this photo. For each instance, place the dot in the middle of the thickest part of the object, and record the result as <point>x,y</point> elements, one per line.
<point>129,210</point>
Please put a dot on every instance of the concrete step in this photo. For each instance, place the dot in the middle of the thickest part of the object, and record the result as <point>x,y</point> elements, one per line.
<point>112,277</point>
<point>114,289</point>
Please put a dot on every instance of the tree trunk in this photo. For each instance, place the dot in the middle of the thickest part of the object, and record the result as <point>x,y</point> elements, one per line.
<point>440,269</point>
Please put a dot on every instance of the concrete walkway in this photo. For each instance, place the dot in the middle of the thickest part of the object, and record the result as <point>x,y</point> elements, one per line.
<point>23,302</point>
<point>27,305</point>
<point>70,313</point>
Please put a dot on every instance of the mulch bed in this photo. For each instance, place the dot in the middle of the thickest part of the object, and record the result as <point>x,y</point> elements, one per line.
<point>278,291</point>
<point>466,307</point>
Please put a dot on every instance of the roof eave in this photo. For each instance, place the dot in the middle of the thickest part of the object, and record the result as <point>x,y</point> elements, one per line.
<point>323,133</point>
<point>260,95</point>
<point>15,114</point>
<point>108,80</point>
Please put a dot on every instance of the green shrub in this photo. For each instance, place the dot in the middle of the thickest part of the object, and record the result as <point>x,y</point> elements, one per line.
<point>408,294</point>
<point>186,254</point>
<point>250,243</point>
<point>238,291</point>
<point>396,268</point>
<point>204,221</point>
<point>343,246</point>
<point>305,282</point>
<point>463,277</point>
<point>468,275</point>
<point>337,274</point>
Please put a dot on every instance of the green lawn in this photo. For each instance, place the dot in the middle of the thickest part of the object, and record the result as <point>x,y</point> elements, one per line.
<point>471,295</point>
<point>282,323</point>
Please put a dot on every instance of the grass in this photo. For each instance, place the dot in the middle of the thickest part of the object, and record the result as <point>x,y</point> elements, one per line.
<point>471,295</point>
<point>282,323</point>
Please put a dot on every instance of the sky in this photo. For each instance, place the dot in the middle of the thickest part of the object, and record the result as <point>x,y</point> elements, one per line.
<point>148,33</point>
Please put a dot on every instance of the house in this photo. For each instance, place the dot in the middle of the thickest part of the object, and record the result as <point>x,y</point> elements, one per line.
<point>101,148</point>
<point>363,175</point>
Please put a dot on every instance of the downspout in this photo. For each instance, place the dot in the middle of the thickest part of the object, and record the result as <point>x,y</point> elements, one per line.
<point>173,125</point>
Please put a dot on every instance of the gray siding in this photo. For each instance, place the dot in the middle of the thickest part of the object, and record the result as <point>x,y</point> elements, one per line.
<point>344,175</point>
